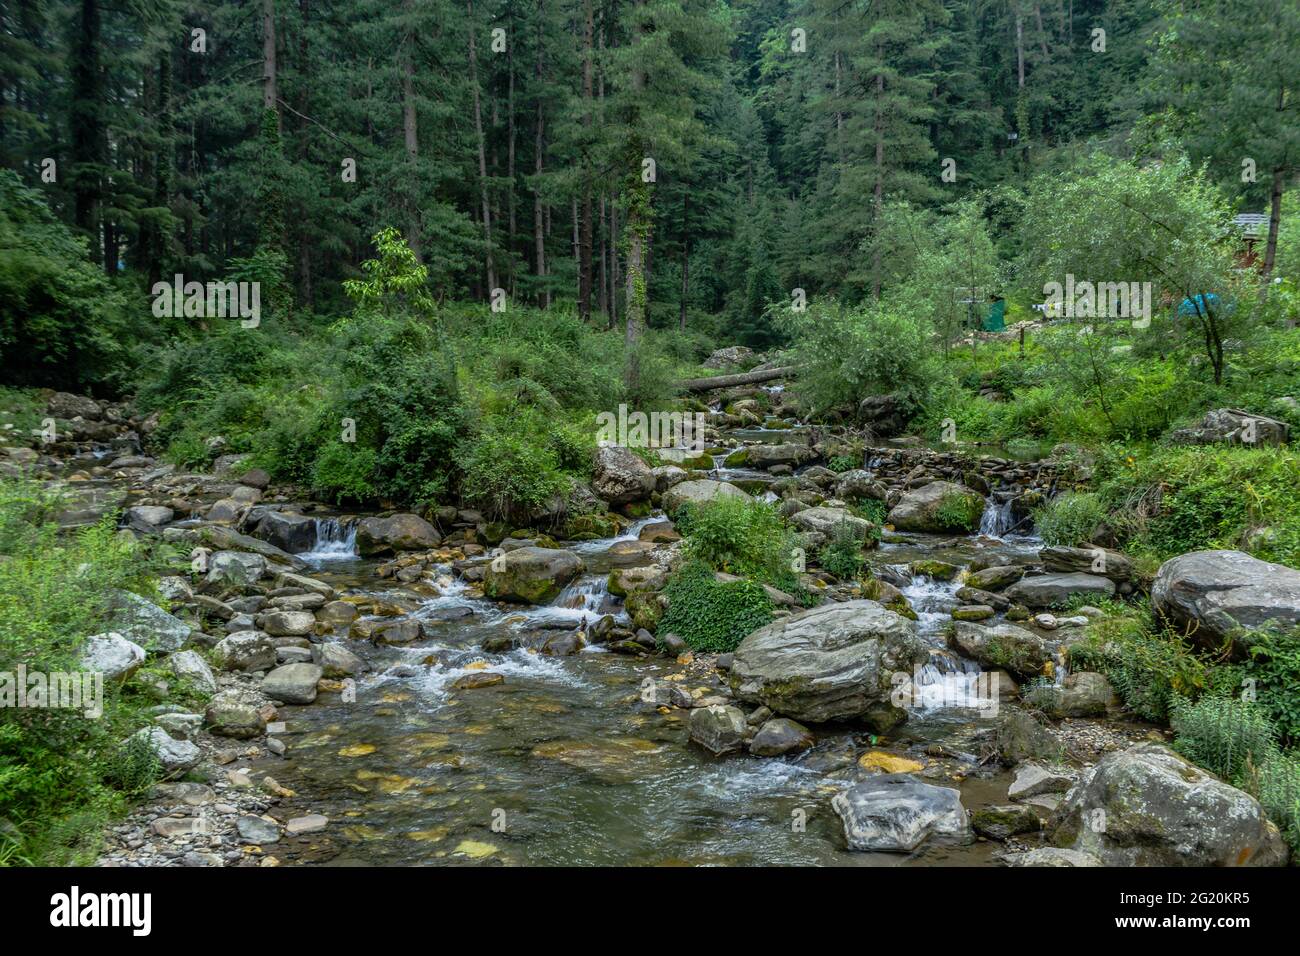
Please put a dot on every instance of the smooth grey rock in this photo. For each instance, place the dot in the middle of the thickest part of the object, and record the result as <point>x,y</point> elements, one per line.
<point>620,476</point>
<point>245,651</point>
<point>112,655</point>
<point>780,735</point>
<point>719,729</point>
<point>698,492</point>
<point>531,575</point>
<point>831,662</point>
<point>292,683</point>
<point>1051,590</point>
<point>336,661</point>
<point>1219,591</point>
<point>235,569</point>
<point>918,509</point>
<point>175,756</point>
<point>189,665</point>
<point>896,813</point>
<point>1148,806</point>
<point>146,624</point>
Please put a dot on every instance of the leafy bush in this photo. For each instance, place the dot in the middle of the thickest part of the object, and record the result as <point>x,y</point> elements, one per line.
<point>63,323</point>
<point>1274,670</point>
<point>842,553</point>
<point>1149,671</point>
<point>1070,519</point>
<point>510,469</point>
<point>1177,500</point>
<point>1223,734</point>
<point>739,536</point>
<point>959,511</point>
<point>60,772</point>
<point>847,353</point>
<point>712,615</point>
<point>1277,787</point>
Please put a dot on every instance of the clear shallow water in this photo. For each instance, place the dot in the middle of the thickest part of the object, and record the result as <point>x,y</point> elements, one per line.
<point>563,764</point>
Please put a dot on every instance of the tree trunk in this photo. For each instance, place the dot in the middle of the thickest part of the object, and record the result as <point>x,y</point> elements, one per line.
<point>539,149</point>
<point>85,119</point>
<point>878,198</point>
<point>411,131</point>
<point>305,294</point>
<point>741,378</point>
<point>686,258</point>
<point>584,252</point>
<point>1274,223</point>
<point>482,151</point>
<point>510,161</point>
<point>638,233</point>
<point>270,96</point>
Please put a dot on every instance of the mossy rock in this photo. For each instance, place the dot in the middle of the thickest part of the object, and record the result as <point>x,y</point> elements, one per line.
<point>737,459</point>
<point>588,527</point>
<point>645,609</point>
<point>938,570</point>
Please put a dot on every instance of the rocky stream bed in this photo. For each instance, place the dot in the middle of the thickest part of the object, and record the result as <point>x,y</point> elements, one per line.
<point>386,689</point>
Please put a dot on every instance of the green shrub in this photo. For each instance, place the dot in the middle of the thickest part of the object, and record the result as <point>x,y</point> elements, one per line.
<point>842,463</point>
<point>1273,673</point>
<point>60,776</point>
<point>959,511</point>
<point>1070,519</point>
<point>63,323</point>
<point>1277,787</point>
<point>344,473</point>
<point>742,537</point>
<point>842,553</point>
<point>1148,670</point>
<point>711,615</point>
<point>1176,500</point>
<point>510,469</point>
<point>1223,734</point>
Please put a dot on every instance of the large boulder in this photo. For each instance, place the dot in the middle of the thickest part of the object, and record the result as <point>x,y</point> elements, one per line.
<point>399,532</point>
<point>829,663</point>
<point>146,624</point>
<point>531,575</point>
<point>941,507</point>
<point>621,477</point>
<point>235,569</point>
<point>231,716</point>
<point>823,521</point>
<point>698,492</point>
<point>731,355</point>
<point>858,484</point>
<point>189,666</point>
<point>1003,647</point>
<point>1102,561</point>
<point>719,729</point>
<point>289,623</point>
<point>174,756</point>
<point>788,453</point>
<point>1053,590</point>
<point>1147,806</point>
<point>1216,592</point>
<point>1231,426</point>
<point>895,813</point>
<point>67,405</point>
<point>337,661</point>
<point>292,683</point>
<point>289,532</point>
<point>111,654</point>
<point>245,651</point>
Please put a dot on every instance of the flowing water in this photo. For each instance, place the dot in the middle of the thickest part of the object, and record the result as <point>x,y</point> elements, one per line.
<point>563,763</point>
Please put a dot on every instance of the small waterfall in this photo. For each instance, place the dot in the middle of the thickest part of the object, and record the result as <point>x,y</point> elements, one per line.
<point>335,541</point>
<point>932,601</point>
<point>997,519</point>
<point>947,680</point>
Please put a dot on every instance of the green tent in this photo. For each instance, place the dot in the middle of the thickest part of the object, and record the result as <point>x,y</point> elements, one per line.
<point>994,321</point>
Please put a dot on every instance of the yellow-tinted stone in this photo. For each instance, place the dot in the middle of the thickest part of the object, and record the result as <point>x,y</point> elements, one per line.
<point>890,763</point>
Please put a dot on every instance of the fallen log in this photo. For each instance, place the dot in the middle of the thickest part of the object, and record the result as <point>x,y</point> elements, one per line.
<point>741,378</point>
